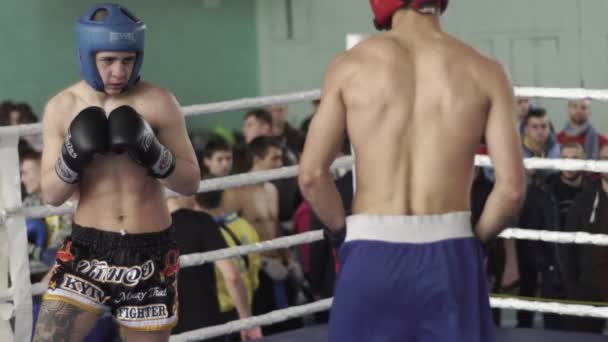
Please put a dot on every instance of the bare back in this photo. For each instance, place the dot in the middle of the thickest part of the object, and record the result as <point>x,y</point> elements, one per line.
<point>115,193</point>
<point>416,112</point>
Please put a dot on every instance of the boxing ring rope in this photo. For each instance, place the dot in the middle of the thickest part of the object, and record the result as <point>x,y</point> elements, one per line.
<point>265,319</point>
<point>12,215</point>
<point>292,171</point>
<point>325,304</point>
<point>196,259</point>
<point>206,185</point>
<point>315,94</point>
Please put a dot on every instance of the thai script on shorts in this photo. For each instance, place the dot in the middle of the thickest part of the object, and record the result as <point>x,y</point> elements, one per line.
<point>102,272</point>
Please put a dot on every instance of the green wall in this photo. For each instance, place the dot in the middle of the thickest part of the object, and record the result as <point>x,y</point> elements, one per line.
<point>562,45</point>
<point>200,50</point>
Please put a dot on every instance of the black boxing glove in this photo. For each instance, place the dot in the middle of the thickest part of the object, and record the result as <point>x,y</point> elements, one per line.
<point>334,238</point>
<point>86,136</point>
<point>131,133</point>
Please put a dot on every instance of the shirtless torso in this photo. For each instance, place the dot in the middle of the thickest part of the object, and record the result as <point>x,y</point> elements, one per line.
<point>257,204</point>
<point>115,193</point>
<point>415,103</point>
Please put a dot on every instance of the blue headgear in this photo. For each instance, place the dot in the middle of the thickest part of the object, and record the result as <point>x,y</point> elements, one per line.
<point>120,30</point>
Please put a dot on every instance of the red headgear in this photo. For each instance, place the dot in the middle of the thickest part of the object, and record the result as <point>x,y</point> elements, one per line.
<point>384,9</point>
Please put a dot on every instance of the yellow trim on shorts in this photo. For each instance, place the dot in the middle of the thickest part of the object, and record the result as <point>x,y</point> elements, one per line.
<point>60,298</point>
<point>150,328</point>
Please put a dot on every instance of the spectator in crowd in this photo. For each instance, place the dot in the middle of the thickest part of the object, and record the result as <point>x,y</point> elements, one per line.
<point>290,137</point>
<point>579,129</point>
<point>12,114</point>
<point>259,205</point>
<point>539,212</point>
<point>37,233</point>
<point>198,306</point>
<point>538,141</point>
<point>584,266</point>
<point>217,158</point>
<point>236,232</point>
<point>566,185</point>
<point>522,106</point>
<point>256,123</point>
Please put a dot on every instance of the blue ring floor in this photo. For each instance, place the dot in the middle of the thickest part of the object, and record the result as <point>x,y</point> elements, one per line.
<point>319,333</point>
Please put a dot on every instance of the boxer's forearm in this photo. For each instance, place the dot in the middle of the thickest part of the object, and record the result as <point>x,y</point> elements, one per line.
<point>321,193</point>
<point>501,208</point>
<point>54,190</point>
<point>184,179</point>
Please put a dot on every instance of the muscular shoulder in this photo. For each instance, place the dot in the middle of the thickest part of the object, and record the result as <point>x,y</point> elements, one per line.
<point>58,106</point>
<point>157,95</point>
<point>157,101</point>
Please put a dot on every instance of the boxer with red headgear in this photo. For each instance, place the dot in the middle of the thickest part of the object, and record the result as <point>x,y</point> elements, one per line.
<point>415,103</point>
<point>384,9</point>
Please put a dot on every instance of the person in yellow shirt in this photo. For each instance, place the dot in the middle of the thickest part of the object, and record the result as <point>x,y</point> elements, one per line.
<point>236,231</point>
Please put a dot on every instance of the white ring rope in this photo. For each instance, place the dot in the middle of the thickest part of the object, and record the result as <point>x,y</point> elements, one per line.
<point>563,93</point>
<point>325,304</point>
<point>239,180</point>
<point>245,103</point>
<point>292,171</point>
<point>558,164</point>
<point>549,307</point>
<point>199,109</point>
<point>265,319</point>
<point>580,238</point>
<point>206,185</point>
<point>195,259</point>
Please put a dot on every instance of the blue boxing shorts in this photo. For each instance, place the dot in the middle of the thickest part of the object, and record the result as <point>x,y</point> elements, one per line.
<point>411,278</point>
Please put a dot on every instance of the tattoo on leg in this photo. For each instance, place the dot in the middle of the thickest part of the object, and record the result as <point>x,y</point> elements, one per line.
<point>56,321</point>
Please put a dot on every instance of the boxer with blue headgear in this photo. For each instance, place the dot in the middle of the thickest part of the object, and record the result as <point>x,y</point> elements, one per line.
<point>108,27</point>
<point>117,141</point>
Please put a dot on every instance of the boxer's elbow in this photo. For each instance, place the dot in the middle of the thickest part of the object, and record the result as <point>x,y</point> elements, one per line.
<point>513,192</point>
<point>309,179</point>
<point>54,191</point>
<point>52,196</point>
<point>185,180</point>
